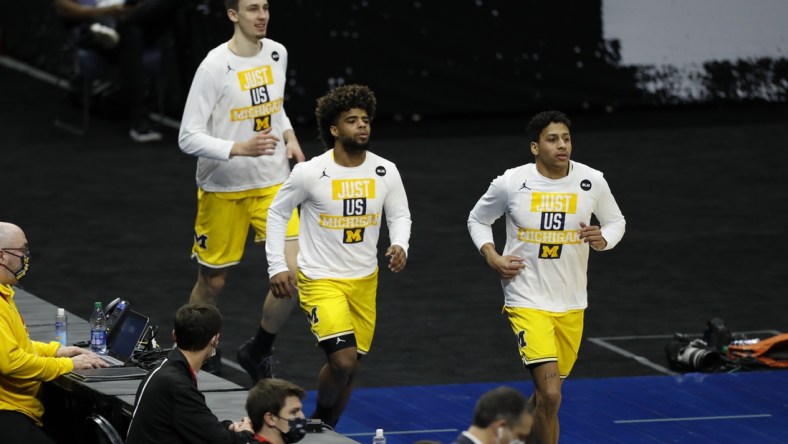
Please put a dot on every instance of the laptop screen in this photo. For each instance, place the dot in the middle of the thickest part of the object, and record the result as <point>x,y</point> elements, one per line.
<point>131,330</point>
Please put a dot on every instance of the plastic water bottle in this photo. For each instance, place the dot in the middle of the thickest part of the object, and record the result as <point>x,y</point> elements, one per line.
<point>98,330</point>
<point>379,437</point>
<point>61,327</point>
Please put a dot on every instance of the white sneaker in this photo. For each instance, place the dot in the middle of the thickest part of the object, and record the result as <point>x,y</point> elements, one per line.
<point>144,135</point>
<point>104,36</point>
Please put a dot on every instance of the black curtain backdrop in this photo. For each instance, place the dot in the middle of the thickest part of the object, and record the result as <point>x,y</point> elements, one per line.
<point>426,61</point>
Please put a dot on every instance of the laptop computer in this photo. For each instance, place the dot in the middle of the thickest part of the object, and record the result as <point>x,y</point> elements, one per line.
<point>119,352</point>
<point>128,335</point>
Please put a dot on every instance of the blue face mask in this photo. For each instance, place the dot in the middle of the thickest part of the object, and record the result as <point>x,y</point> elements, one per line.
<point>22,271</point>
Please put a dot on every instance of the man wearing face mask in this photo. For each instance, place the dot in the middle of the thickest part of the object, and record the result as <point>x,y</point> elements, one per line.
<point>24,364</point>
<point>502,416</point>
<point>169,408</point>
<point>276,412</point>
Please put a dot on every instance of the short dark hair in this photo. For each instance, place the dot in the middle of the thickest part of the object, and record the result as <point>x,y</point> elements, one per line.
<point>231,4</point>
<point>269,395</point>
<point>341,98</point>
<point>540,121</point>
<point>195,325</point>
<point>499,403</point>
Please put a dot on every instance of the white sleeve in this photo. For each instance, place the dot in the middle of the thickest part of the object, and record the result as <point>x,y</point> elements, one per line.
<point>486,211</point>
<point>286,200</point>
<point>193,137</point>
<point>611,220</point>
<point>398,213</point>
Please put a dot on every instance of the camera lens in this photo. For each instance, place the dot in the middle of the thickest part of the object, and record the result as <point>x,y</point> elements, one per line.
<point>698,358</point>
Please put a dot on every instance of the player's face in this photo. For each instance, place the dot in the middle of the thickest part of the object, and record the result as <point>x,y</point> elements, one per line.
<point>554,147</point>
<point>353,130</point>
<point>252,18</point>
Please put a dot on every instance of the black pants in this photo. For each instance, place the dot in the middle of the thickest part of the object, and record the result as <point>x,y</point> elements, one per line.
<point>17,428</point>
<point>140,29</point>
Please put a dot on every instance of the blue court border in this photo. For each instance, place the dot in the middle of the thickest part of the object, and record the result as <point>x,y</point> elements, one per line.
<point>745,407</point>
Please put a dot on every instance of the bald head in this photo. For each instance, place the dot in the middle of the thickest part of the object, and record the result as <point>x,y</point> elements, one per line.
<point>9,232</point>
<point>13,260</point>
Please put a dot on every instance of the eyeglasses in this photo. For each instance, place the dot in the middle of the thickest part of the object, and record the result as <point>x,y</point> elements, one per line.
<point>25,250</point>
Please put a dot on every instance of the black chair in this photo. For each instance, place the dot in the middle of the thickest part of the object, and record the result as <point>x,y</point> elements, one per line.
<point>103,431</point>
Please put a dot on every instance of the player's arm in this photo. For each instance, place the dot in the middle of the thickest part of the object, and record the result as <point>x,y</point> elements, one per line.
<point>289,196</point>
<point>398,221</point>
<point>506,266</point>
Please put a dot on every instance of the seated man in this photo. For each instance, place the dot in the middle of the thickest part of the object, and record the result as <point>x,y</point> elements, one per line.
<point>502,415</point>
<point>25,363</point>
<point>274,406</point>
<point>121,31</point>
<point>168,407</point>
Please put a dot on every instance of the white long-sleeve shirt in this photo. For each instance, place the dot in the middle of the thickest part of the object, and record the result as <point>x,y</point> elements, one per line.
<point>341,214</point>
<point>542,226</point>
<point>230,100</point>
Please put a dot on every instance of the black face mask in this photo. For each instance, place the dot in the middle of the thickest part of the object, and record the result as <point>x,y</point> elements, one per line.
<point>22,271</point>
<point>297,430</point>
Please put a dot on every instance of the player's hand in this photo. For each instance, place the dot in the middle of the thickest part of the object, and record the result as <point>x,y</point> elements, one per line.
<point>397,258</point>
<point>283,284</point>
<point>88,360</point>
<point>592,235</point>
<point>294,150</point>
<point>507,266</point>
<point>262,144</point>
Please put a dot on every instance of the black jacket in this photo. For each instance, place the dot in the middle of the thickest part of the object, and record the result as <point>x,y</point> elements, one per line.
<point>170,409</point>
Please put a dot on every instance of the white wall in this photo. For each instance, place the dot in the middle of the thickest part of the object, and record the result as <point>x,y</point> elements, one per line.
<point>680,32</point>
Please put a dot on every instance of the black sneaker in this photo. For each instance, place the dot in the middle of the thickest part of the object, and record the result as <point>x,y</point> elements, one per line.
<point>214,364</point>
<point>258,366</point>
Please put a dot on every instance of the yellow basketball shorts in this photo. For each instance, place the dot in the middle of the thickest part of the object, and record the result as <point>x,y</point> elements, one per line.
<point>223,222</point>
<point>336,307</point>
<point>544,336</point>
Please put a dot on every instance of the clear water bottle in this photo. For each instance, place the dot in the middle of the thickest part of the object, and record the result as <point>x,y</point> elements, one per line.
<point>98,330</point>
<point>379,437</point>
<point>61,327</point>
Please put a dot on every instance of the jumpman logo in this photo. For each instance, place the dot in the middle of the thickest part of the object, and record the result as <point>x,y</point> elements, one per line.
<point>229,68</point>
<point>324,175</point>
<point>339,341</point>
<point>524,186</point>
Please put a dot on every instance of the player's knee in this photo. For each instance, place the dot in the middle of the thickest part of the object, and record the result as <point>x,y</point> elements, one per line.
<point>341,353</point>
<point>212,280</point>
<point>549,399</point>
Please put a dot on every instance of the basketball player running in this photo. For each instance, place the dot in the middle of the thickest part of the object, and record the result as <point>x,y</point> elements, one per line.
<point>234,121</point>
<point>343,194</point>
<point>548,206</point>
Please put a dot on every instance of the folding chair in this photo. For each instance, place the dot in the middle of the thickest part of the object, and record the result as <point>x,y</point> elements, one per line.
<point>104,432</point>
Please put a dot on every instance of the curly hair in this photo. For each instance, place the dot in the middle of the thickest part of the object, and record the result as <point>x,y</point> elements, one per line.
<point>342,98</point>
<point>542,120</point>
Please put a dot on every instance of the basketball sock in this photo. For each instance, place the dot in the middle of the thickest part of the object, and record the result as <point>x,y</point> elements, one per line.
<point>263,341</point>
